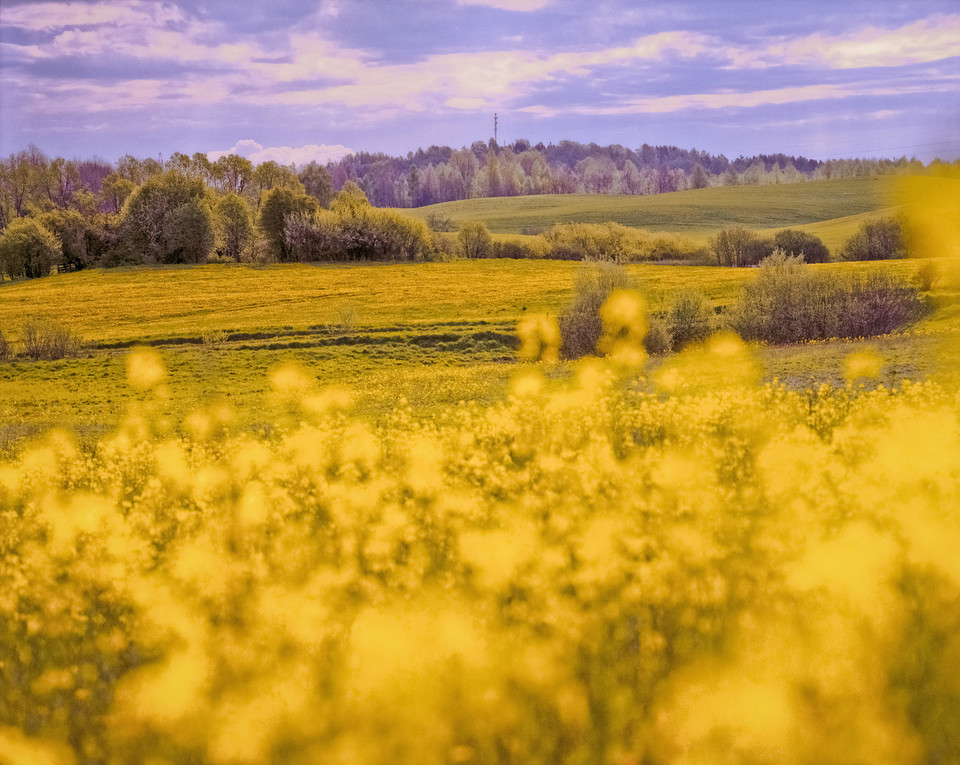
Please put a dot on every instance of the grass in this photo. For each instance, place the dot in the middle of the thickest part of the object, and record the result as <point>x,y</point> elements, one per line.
<point>696,214</point>
<point>431,334</point>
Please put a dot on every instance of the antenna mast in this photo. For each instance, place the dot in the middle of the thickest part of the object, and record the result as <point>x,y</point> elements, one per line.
<point>495,120</point>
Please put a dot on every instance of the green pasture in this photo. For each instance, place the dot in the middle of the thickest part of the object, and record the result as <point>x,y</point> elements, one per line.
<point>696,214</point>
<point>430,334</point>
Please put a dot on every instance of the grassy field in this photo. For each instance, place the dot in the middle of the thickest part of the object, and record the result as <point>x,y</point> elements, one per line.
<point>832,210</point>
<point>696,214</point>
<point>432,334</point>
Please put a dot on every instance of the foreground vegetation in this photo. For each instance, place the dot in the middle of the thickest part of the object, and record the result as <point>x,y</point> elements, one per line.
<point>582,573</point>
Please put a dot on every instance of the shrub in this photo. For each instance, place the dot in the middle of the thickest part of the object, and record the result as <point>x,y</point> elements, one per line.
<point>794,242</point>
<point>28,249</point>
<point>667,248</point>
<point>351,234</point>
<point>385,235</point>
<point>440,223</point>
<point>48,340</point>
<point>213,339</point>
<point>517,249</point>
<point>691,319</point>
<point>880,239</point>
<point>740,246</point>
<point>5,350</point>
<point>789,302</point>
<point>580,324</point>
<point>474,240</point>
<point>658,338</point>
<point>928,275</point>
<point>611,242</point>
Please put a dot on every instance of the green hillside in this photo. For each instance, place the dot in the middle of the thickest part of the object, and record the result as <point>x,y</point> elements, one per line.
<point>692,213</point>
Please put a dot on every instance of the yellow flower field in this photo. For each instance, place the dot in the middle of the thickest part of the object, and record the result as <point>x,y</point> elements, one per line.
<point>715,571</point>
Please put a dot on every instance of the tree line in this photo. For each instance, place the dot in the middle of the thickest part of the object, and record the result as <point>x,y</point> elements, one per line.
<point>189,209</point>
<point>442,174</point>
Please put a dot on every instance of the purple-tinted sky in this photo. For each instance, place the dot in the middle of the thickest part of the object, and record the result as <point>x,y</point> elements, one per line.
<point>295,80</point>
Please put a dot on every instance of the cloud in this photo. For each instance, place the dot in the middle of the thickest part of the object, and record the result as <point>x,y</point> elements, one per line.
<point>509,5</point>
<point>922,41</point>
<point>47,16</point>
<point>730,99</point>
<point>283,155</point>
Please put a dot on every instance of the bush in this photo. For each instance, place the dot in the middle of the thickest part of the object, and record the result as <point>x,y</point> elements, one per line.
<point>580,324</point>
<point>669,248</point>
<point>788,303</point>
<point>928,276</point>
<point>440,223</point>
<point>368,234</point>
<point>740,246</point>
<point>880,239</point>
<point>794,242</point>
<point>658,338</point>
<point>691,319</point>
<point>27,249</point>
<point>517,249</point>
<point>5,350</point>
<point>48,340</point>
<point>610,242</point>
<point>474,240</point>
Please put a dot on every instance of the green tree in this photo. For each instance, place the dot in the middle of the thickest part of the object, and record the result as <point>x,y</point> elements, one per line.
<point>317,183</point>
<point>278,205</point>
<point>70,228</point>
<point>270,175</point>
<point>28,249</point>
<point>115,190</point>
<point>350,201</point>
<point>234,172</point>
<point>880,239</point>
<point>188,230</point>
<point>795,242</point>
<point>144,230</point>
<point>740,246</point>
<point>474,240</point>
<point>234,222</point>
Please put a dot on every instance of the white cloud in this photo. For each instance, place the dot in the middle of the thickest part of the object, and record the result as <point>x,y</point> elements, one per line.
<point>47,16</point>
<point>922,41</point>
<point>283,155</point>
<point>729,99</point>
<point>509,5</point>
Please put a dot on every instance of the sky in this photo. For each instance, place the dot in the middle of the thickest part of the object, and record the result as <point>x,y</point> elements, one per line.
<point>295,81</point>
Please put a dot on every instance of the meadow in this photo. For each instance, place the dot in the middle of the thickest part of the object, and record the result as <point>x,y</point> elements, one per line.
<point>831,209</point>
<point>357,514</point>
<point>385,330</point>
